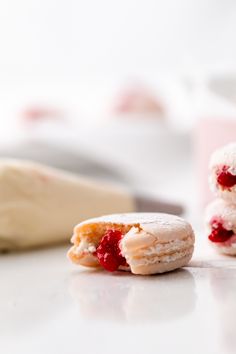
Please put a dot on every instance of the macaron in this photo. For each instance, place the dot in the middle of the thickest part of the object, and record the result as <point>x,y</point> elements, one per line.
<point>143,243</point>
<point>221,224</point>
<point>223,172</point>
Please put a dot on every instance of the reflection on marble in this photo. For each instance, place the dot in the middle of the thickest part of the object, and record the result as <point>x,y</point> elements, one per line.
<point>225,262</point>
<point>223,286</point>
<point>31,292</point>
<point>126,298</point>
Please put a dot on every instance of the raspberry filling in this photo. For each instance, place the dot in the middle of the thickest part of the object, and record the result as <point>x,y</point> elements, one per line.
<point>225,178</point>
<point>219,233</point>
<point>108,251</point>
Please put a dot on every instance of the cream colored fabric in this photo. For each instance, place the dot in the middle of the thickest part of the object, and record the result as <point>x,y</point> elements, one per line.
<point>40,205</point>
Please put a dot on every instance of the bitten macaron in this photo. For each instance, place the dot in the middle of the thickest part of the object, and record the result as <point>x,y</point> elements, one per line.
<point>143,243</point>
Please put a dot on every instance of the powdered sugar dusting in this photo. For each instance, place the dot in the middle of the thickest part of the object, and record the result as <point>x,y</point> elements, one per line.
<point>224,156</point>
<point>163,226</point>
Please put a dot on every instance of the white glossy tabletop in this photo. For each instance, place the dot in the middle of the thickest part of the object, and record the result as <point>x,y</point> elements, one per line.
<point>50,306</point>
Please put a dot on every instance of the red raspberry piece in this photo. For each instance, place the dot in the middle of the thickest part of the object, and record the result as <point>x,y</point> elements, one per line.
<point>108,251</point>
<point>219,233</point>
<point>225,178</point>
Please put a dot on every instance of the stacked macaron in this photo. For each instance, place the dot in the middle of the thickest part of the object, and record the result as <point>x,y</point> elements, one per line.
<point>221,213</point>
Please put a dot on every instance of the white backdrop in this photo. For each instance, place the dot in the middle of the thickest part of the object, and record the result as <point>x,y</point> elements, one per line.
<point>70,39</point>
<point>74,52</point>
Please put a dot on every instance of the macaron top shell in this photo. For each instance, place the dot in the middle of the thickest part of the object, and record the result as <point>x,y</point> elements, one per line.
<point>164,227</point>
<point>224,156</point>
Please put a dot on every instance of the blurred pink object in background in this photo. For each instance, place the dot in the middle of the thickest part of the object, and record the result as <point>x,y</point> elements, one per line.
<point>210,134</point>
<point>38,113</point>
<point>138,100</point>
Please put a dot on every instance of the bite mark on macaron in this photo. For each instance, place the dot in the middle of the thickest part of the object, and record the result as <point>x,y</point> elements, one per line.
<point>108,251</point>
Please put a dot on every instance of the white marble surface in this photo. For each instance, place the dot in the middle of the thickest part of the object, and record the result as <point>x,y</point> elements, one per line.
<point>48,305</point>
